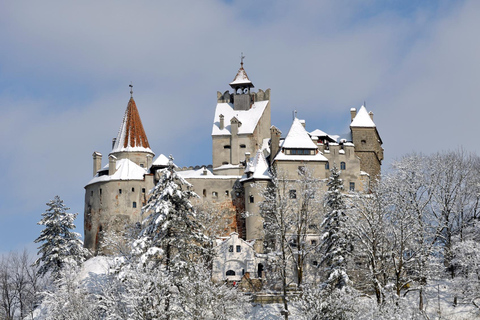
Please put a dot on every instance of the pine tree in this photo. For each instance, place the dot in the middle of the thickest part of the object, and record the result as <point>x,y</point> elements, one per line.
<point>170,233</point>
<point>60,245</point>
<point>336,238</point>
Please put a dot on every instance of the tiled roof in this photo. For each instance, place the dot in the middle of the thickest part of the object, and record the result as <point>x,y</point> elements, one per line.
<point>131,136</point>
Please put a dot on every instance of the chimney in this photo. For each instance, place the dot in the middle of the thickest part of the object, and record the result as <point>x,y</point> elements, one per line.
<point>204,173</point>
<point>371,115</point>
<point>113,142</point>
<point>222,123</point>
<point>275,135</point>
<point>353,113</point>
<point>247,158</point>
<point>149,161</point>
<point>112,164</point>
<point>97,162</point>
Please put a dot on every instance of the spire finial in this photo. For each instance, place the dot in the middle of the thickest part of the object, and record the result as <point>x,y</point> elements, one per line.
<point>241,59</point>
<point>365,104</point>
<point>131,89</point>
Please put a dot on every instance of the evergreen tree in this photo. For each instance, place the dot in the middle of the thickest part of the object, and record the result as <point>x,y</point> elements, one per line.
<point>60,245</point>
<point>336,239</point>
<point>170,232</point>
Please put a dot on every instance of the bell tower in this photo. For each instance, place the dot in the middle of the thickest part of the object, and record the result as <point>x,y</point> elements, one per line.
<point>242,99</point>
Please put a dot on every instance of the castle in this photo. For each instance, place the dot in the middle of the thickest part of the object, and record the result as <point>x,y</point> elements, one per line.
<point>246,149</point>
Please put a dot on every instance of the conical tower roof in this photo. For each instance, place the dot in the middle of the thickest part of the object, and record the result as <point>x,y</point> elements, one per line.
<point>131,136</point>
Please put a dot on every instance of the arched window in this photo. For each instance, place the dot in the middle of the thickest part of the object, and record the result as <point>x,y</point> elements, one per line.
<point>230,273</point>
<point>342,165</point>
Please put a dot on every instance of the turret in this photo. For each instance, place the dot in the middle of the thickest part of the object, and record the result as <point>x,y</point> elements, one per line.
<point>367,141</point>
<point>131,142</point>
<point>241,84</point>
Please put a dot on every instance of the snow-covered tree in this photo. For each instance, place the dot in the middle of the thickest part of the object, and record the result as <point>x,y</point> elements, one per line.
<point>60,245</point>
<point>290,218</point>
<point>171,234</point>
<point>69,298</point>
<point>336,238</point>
<point>369,228</point>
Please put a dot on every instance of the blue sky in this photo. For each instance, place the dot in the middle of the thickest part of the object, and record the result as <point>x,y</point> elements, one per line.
<point>65,68</point>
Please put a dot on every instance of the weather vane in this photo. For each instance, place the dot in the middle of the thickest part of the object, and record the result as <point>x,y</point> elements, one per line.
<point>131,89</point>
<point>241,58</point>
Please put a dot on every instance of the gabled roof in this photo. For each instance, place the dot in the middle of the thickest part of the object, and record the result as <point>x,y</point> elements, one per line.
<point>319,133</point>
<point>298,137</point>
<point>160,161</point>
<point>257,168</point>
<point>131,136</point>
<point>362,119</point>
<point>241,79</point>
<point>248,118</point>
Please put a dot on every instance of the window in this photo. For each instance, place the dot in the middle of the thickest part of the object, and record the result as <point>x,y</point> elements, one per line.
<point>204,192</point>
<point>293,194</point>
<point>142,165</point>
<point>91,193</point>
<point>119,191</point>
<point>252,199</point>
<point>230,248</point>
<point>342,165</point>
<point>133,189</point>
<point>327,166</point>
<point>226,193</point>
<point>315,262</point>
<point>134,204</point>
<point>352,186</point>
<point>239,248</point>
<point>301,170</point>
<point>364,141</point>
<point>214,194</point>
<point>226,146</point>
<point>243,146</point>
<point>143,190</point>
<point>313,242</point>
<point>100,191</point>
<point>224,162</point>
<point>230,273</point>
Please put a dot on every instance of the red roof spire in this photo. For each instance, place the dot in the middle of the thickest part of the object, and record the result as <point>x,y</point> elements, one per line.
<point>131,136</point>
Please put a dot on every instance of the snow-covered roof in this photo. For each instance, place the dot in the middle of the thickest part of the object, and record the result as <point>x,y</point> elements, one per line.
<point>131,136</point>
<point>257,168</point>
<point>362,119</point>
<point>319,133</point>
<point>161,161</point>
<point>248,118</point>
<point>241,78</point>
<point>298,137</point>
<point>126,170</point>
<point>199,174</point>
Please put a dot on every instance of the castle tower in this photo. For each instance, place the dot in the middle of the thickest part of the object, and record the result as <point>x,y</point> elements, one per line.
<point>117,192</point>
<point>367,141</point>
<point>256,179</point>
<point>241,123</point>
